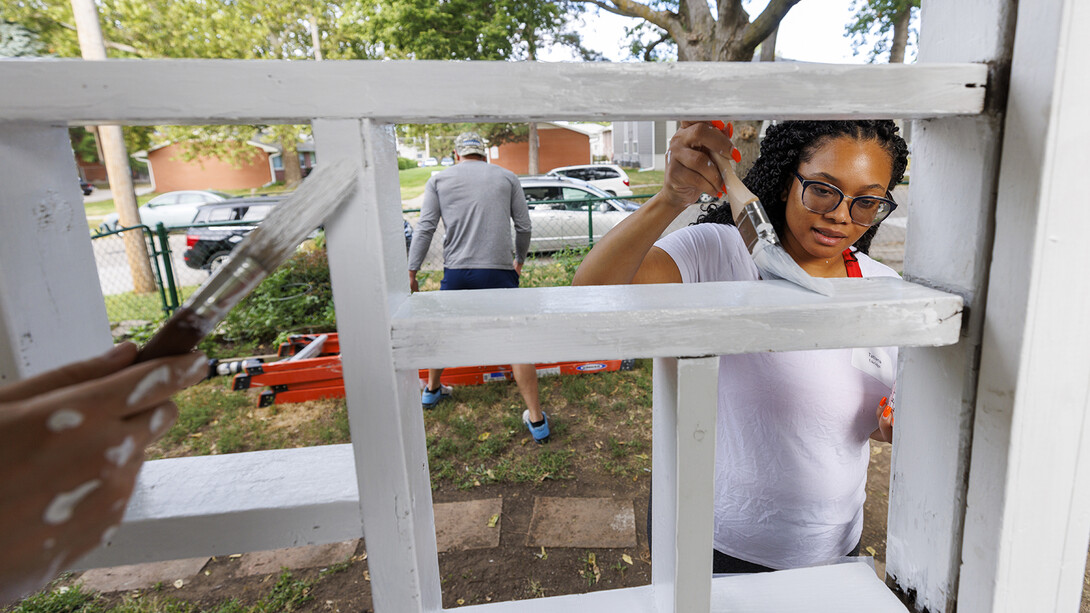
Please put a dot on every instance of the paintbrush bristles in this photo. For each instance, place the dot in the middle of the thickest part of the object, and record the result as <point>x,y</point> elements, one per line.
<point>305,209</point>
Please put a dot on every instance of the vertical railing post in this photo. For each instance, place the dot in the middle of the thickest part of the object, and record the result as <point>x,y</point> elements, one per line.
<point>1028,503</point>
<point>684,407</point>
<point>953,160</point>
<point>367,264</point>
<point>47,255</point>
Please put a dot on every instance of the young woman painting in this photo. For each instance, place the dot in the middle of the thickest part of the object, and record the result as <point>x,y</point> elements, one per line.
<point>792,429</point>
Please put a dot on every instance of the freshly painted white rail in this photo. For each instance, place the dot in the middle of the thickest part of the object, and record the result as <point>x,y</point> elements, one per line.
<point>268,91</point>
<point>440,329</point>
<point>224,504</point>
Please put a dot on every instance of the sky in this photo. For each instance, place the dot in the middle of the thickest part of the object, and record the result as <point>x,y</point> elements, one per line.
<point>812,31</point>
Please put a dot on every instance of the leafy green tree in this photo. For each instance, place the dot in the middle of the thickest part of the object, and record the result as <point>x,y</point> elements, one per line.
<point>727,34</point>
<point>474,30</point>
<point>18,41</point>
<point>882,24</point>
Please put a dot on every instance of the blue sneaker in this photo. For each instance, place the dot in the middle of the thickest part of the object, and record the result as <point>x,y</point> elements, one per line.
<point>429,398</point>
<point>540,433</point>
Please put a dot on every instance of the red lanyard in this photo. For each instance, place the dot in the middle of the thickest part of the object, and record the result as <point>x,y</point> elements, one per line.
<point>851,263</point>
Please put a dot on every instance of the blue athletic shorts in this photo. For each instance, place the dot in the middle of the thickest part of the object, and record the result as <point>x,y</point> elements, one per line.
<point>479,278</point>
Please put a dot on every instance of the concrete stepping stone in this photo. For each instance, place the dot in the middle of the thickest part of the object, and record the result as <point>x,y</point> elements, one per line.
<point>141,576</point>
<point>309,556</point>
<point>464,525</point>
<point>605,523</point>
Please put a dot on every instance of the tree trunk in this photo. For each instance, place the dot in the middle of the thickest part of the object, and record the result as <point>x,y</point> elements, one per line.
<point>293,173</point>
<point>315,38</point>
<point>900,36</point>
<point>768,47</point>
<point>533,143</point>
<point>531,155</point>
<point>112,141</point>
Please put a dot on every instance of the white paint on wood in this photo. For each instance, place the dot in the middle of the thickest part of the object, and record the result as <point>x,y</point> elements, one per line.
<point>462,328</point>
<point>224,504</point>
<point>51,307</point>
<point>684,411</point>
<point>269,91</point>
<point>844,588</point>
<point>955,164</point>
<point>1028,513</point>
<point>664,494</point>
<point>370,275</point>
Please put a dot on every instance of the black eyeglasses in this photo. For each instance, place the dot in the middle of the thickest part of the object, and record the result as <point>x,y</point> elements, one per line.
<point>821,198</point>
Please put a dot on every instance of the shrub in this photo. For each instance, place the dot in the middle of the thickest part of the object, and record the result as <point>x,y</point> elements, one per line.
<point>405,163</point>
<point>297,298</point>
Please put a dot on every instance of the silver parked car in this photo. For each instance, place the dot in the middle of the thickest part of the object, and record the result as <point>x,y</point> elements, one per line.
<point>172,209</point>
<point>581,212</point>
<point>608,177</point>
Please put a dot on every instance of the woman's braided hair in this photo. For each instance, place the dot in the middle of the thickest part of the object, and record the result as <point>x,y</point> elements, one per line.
<point>790,143</point>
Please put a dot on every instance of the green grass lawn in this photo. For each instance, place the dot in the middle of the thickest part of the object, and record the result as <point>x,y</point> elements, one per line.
<point>413,180</point>
<point>645,181</point>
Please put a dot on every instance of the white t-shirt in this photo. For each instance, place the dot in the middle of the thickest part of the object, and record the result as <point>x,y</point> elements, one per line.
<point>793,428</point>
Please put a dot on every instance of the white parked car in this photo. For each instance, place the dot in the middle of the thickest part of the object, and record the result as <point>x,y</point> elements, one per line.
<point>560,216</point>
<point>172,209</point>
<point>609,177</point>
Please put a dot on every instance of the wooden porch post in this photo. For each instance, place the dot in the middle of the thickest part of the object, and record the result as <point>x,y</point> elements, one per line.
<point>1028,507</point>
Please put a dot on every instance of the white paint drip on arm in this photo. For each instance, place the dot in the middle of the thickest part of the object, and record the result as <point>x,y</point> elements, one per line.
<point>64,419</point>
<point>121,453</point>
<point>200,365</point>
<point>146,386</point>
<point>108,535</point>
<point>158,420</point>
<point>60,510</point>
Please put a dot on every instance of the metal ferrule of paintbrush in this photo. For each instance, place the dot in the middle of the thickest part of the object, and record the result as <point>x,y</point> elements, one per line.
<point>220,293</point>
<point>203,310</point>
<point>755,227</point>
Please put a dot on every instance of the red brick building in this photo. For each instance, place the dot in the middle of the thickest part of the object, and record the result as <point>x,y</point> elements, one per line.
<point>558,145</point>
<point>169,172</point>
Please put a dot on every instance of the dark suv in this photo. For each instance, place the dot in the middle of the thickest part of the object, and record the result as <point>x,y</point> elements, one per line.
<point>208,246</point>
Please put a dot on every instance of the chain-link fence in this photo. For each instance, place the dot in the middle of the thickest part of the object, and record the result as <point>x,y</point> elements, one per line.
<point>134,280</point>
<point>145,274</point>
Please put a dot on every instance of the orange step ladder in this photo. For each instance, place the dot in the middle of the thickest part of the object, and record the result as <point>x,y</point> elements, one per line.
<point>318,377</point>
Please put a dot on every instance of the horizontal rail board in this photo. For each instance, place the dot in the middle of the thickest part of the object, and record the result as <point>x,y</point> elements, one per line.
<point>466,328</point>
<point>234,503</point>
<point>850,587</point>
<point>272,91</point>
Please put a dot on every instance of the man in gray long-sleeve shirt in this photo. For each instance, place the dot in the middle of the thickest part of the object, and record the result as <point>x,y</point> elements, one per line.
<point>477,202</point>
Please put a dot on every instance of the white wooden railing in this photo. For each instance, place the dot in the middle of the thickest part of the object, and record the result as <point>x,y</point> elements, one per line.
<point>51,309</point>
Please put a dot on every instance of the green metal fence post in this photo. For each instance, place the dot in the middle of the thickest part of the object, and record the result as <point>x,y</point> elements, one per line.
<point>168,267</point>
<point>149,242</point>
<point>590,224</point>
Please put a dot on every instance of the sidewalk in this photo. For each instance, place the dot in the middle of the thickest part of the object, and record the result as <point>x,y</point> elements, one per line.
<point>581,523</point>
<point>104,193</point>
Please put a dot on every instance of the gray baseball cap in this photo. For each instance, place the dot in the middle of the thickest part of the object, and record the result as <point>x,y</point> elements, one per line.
<point>469,143</point>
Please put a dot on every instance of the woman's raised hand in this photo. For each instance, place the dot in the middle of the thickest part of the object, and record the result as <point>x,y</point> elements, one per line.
<point>71,443</point>
<point>690,170</point>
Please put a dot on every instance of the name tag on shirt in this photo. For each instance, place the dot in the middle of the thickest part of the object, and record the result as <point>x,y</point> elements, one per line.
<point>876,362</point>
